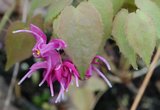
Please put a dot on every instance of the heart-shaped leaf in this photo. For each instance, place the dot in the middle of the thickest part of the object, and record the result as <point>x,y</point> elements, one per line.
<point>118,33</point>
<point>81,28</point>
<point>141,34</point>
<point>19,46</point>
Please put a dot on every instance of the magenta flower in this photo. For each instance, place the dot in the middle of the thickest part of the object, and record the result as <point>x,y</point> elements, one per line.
<point>54,68</point>
<point>93,67</point>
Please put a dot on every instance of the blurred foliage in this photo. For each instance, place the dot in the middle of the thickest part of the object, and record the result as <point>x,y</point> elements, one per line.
<point>85,25</point>
<point>77,25</point>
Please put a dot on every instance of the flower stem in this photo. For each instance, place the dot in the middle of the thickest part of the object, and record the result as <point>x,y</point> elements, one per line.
<point>146,81</point>
<point>10,90</point>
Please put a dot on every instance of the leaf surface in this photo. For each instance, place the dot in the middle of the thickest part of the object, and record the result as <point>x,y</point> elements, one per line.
<point>81,28</point>
<point>119,35</point>
<point>141,34</point>
<point>56,7</point>
<point>105,9</point>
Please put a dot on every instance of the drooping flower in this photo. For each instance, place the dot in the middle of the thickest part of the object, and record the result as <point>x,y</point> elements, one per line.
<point>93,67</point>
<point>54,68</point>
<point>64,74</point>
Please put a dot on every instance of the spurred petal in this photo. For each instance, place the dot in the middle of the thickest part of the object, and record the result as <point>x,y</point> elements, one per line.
<point>102,75</point>
<point>103,60</point>
<point>59,96</point>
<point>51,86</point>
<point>37,30</point>
<point>35,35</point>
<point>39,65</point>
<point>58,44</point>
<point>73,70</point>
<point>49,69</point>
<point>27,75</point>
<point>58,72</point>
<point>71,67</point>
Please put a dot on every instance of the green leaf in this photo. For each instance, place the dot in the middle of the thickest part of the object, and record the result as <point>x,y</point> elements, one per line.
<point>56,7</point>
<point>118,33</point>
<point>105,9</point>
<point>141,35</point>
<point>117,4</point>
<point>19,46</point>
<point>152,10</point>
<point>81,28</point>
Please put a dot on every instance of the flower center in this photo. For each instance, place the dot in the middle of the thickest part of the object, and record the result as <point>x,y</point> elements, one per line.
<point>38,52</point>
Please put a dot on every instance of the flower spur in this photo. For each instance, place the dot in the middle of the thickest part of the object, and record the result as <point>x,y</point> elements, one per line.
<point>93,67</point>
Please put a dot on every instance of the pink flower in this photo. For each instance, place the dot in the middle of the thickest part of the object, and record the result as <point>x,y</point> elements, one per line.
<point>54,68</point>
<point>93,67</point>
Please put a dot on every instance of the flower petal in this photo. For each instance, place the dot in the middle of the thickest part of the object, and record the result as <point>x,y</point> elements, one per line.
<point>89,72</point>
<point>36,36</point>
<point>51,87</point>
<point>39,65</point>
<point>48,50</point>
<point>27,74</point>
<point>59,96</point>
<point>37,30</point>
<point>103,60</point>
<point>58,44</point>
<point>49,69</point>
<point>102,75</point>
<point>71,67</point>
